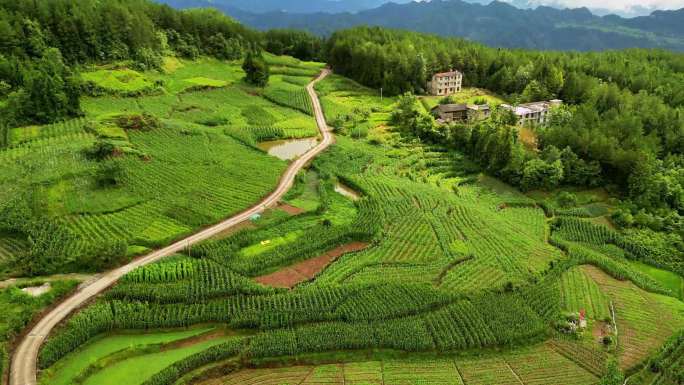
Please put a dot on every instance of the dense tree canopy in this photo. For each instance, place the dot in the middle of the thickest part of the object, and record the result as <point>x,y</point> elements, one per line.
<point>300,44</point>
<point>41,42</point>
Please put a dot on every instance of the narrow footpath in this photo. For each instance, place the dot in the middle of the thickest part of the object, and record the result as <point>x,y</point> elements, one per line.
<point>23,368</point>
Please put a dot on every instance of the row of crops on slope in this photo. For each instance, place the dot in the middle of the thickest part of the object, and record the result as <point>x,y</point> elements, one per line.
<point>426,226</point>
<point>297,98</point>
<point>538,365</point>
<point>668,363</point>
<point>319,317</point>
<point>309,320</point>
<point>598,245</point>
<point>579,230</point>
<point>436,240</point>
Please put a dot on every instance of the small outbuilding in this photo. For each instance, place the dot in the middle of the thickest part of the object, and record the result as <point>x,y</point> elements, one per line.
<point>448,113</point>
<point>451,112</point>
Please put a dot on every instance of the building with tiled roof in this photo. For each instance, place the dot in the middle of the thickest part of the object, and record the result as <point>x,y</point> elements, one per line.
<point>530,114</point>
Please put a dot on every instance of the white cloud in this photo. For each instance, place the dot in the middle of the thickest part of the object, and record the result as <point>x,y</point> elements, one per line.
<point>625,6</point>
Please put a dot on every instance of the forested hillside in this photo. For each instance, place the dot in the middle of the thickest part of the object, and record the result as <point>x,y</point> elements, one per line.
<point>292,6</point>
<point>43,43</point>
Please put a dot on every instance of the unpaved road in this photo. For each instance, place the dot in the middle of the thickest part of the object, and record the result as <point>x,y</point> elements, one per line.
<point>23,370</point>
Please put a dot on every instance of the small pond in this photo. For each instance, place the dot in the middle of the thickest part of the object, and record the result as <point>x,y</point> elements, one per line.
<point>347,191</point>
<point>288,149</point>
<point>37,291</point>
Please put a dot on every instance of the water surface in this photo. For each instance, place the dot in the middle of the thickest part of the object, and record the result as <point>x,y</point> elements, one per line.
<point>347,191</point>
<point>288,149</point>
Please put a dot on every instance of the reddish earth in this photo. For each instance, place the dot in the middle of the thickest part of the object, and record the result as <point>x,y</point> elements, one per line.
<point>292,210</point>
<point>601,329</point>
<point>306,270</point>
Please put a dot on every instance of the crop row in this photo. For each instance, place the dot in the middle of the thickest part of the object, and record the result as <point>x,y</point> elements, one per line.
<point>32,133</point>
<point>401,320</point>
<point>669,361</point>
<point>171,374</point>
<point>183,282</point>
<point>298,99</point>
<point>163,272</point>
<point>11,247</point>
<point>581,292</point>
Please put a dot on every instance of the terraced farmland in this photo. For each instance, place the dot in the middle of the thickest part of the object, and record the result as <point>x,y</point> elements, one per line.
<point>205,125</point>
<point>462,279</point>
<point>537,365</point>
<point>644,320</point>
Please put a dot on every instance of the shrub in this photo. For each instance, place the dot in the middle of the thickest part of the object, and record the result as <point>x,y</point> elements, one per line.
<point>109,174</point>
<point>100,150</point>
<point>142,122</point>
<point>566,199</point>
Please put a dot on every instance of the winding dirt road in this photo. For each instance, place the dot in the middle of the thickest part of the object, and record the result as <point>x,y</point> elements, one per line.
<point>23,369</point>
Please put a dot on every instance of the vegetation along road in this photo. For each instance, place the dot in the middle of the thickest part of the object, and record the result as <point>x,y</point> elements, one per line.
<point>24,359</point>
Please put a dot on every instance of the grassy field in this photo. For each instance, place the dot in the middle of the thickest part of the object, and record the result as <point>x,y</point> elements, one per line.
<point>342,98</point>
<point>468,95</point>
<point>193,161</point>
<point>668,279</point>
<point>464,280</point>
<point>137,369</point>
<point>67,370</point>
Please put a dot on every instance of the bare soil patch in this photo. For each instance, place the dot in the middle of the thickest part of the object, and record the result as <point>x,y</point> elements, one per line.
<point>306,270</point>
<point>600,330</point>
<point>292,210</point>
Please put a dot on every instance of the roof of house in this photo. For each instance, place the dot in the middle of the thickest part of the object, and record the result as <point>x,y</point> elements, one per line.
<point>529,108</point>
<point>479,107</point>
<point>443,108</point>
<point>448,73</point>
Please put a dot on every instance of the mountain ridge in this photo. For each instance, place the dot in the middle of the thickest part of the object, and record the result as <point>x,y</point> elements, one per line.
<point>497,24</point>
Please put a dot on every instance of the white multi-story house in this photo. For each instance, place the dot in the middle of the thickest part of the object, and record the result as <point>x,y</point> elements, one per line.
<point>531,114</point>
<point>446,83</point>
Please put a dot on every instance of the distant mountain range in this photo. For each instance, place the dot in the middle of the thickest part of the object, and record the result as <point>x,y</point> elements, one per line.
<point>340,6</point>
<point>496,24</point>
<point>631,11</point>
<point>289,6</point>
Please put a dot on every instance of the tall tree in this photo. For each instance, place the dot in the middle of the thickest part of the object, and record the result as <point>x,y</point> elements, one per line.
<point>256,69</point>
